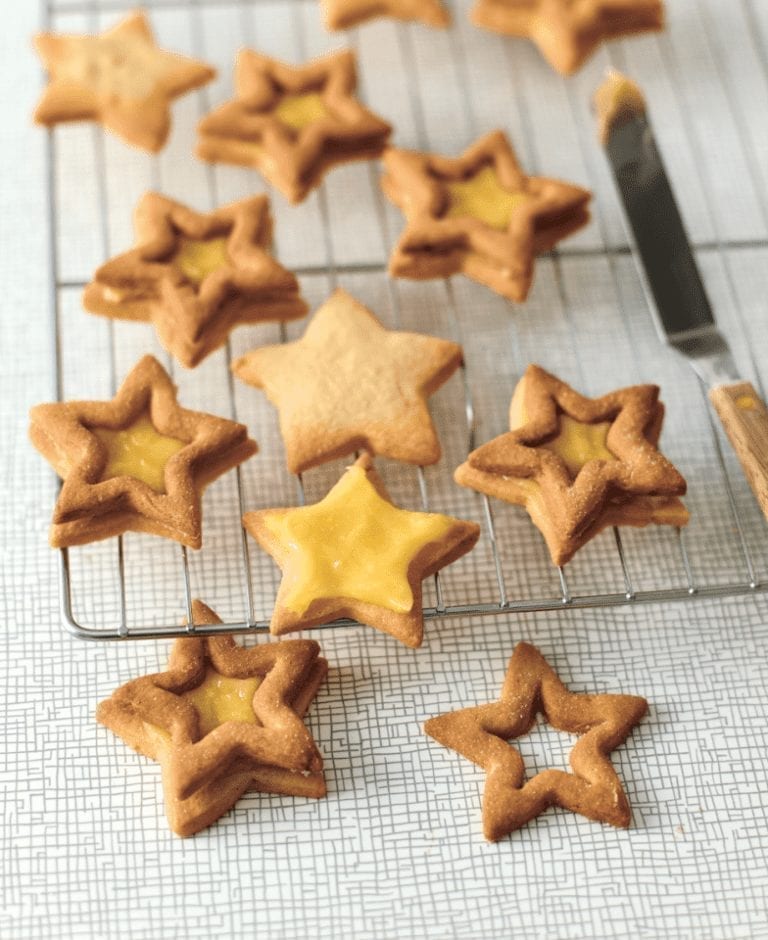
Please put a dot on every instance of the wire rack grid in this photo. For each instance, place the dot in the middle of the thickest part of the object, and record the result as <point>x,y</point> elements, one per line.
<point>587,320</point>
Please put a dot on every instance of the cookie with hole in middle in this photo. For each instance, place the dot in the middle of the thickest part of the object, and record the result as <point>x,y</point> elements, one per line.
<point>137,463</point>
<point>477,214</point>
<point>196,275</point>
<point>349,384</point>
<point>221,720</point>
<point>579,465</point>
<point>293,123</point>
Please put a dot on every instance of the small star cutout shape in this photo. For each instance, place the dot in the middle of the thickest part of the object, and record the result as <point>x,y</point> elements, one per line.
<point>195,276</point>
<point>355,554</point>
<point>293,123</point>
<point>343,14</point>
<point>221,720</point>
<point>478,214</point>
<point>531,686</point>
<point>350,384</point>
<point>567,32</point>
<point>119,78</point>
<point>77,437</point>
<point>578,464</point>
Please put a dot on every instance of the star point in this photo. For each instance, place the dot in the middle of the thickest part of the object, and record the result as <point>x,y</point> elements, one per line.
<point>343,14</point>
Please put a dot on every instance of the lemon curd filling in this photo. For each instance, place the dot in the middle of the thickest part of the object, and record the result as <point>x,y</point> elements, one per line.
<point>298,111</point>
<point>220,698</point>
<point>577,443</point>
<point>196,258</point>
<point>138,451</point>
<point>483,197</point>
<point>338,545</point>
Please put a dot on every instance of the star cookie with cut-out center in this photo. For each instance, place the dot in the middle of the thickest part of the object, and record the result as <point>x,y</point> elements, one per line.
<point>355,554</point>
<point>478,215</point>
<point>350,384</point>
<point>531,686</point>
<point>567,32</point>
<point>343,14</point>
<point>221,720</point>
<point>195,276</point>
<point>579,464</point>
<point>119,78</point>
<point>139,462</point>
<point>292,124</point>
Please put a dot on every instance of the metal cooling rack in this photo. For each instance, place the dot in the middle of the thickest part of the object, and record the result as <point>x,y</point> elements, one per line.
<point>616,575</point>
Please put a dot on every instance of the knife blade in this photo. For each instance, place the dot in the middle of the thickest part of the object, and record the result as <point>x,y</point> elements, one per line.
<point>681,308</point>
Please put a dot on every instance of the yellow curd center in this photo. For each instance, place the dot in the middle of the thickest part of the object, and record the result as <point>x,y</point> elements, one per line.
<point>219,698</point>
<point>577,443</point>
<point>196,258</point>
<point>298,111</point>
<point>353,544</point>
<point>138,451</point>
<point>483,197</point>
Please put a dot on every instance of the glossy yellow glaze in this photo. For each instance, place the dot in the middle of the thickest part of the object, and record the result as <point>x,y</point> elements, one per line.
<point>483,197</point>
<point>219,698</point>
<point>196,258</point>
<point>138,451</point>
<point>298,111</point>
<point>352,544</point>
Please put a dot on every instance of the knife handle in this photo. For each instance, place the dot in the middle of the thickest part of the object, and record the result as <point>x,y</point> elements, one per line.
<point>745,418</point>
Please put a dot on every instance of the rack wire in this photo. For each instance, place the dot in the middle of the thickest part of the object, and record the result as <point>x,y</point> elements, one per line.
<point>107,595</point>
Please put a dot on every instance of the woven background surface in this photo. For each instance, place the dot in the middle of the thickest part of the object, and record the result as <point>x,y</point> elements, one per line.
<point>395,850</point>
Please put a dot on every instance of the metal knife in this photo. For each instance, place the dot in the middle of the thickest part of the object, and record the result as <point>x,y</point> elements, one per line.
<point>683,312</point>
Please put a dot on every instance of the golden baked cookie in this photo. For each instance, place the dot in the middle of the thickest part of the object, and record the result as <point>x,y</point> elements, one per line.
<point>350,384</point>
<point>481,734</point>
<point>342,14</point>
<point>355,554</point>
<point>120,79</point>
<point>579,464</point>
<point>567,32</point>
<point>139,462</point>
<point>477,214</point>
<point>195,276</point>
<point>292,124</point>
<point>221,720</point>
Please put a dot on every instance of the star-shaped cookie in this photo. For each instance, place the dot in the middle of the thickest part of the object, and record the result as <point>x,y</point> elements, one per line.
<point>119,78</point>
<point>355,554</point>
<point>195,276</point>
<point>292,124</point>
<point>343,14</point>
<point>478,214</point>
<point>221,720</point>
<point>350,384</point>
<point>567,32</point>
<point>531,686</point>
<point>579,464</point>
<point>139,462</point>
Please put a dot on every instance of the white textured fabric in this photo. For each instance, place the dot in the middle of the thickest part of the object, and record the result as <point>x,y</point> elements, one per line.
<point>396,849</point>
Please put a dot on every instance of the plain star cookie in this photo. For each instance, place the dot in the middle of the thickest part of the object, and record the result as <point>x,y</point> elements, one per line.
<point>138,463</point>
<point>221,720</point>
<point>292,124</point>
<point>477,214</point>
<point>355,554</point>
<point>480,734</point>
<point>120,79</point>
<point>567,32</point>
<point>350,384</point>
<point>195,276</point>
<point>579,464</point>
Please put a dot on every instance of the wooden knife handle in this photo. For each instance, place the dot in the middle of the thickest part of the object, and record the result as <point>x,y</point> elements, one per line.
<point>745,418</point>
